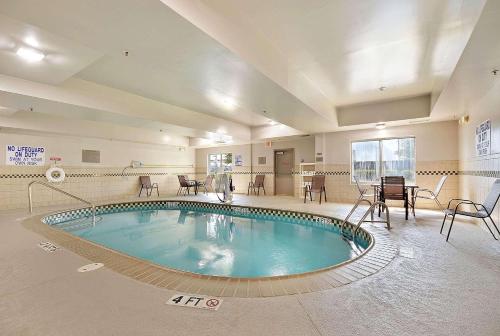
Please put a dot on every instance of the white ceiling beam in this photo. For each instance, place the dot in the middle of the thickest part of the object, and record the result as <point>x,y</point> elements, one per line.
<point>80,93</point>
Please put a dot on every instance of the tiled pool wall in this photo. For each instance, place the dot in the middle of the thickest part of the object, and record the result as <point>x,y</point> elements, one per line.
<point>339,186</point>
<point>100,184</point>
<point>96,184</point>
<point>363,238</point>
<point>476,178</point>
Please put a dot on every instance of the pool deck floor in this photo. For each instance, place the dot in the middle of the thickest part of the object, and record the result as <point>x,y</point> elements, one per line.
<point>430,288</point>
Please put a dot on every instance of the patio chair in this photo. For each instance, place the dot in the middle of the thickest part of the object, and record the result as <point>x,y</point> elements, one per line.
<point>393,188</point>
<point>258,183</point>
<point>207,184</point>
<point>184,184</point>
<point>148,186</point>
<point>430,194</point>
<point>483,210</point>
<point>317,186</point>
<point>363,192</point>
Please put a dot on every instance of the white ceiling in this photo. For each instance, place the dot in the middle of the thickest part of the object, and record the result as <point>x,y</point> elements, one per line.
<point>170,60</point>
<point>219,64</point>
<point>351,48</point>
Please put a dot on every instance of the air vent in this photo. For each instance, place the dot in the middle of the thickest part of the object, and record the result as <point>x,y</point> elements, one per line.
<point>262,160</point>
<point>91,156</point>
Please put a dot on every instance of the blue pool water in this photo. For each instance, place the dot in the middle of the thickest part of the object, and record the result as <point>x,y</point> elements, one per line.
<point>217,244</point>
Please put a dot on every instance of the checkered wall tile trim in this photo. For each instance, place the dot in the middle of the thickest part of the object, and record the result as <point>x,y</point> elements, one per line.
<point>437,172</point>
<point>90,175</point>
<point>318,221</point>
<point>483,173</point>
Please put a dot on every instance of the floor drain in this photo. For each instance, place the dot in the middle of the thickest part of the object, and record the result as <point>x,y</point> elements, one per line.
<point>90,267</point>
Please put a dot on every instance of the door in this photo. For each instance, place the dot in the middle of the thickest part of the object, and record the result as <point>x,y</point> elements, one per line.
<point>283,169</point>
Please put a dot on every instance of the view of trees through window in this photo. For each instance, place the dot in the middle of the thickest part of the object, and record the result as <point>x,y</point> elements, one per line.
<point>215,161</point>
<point>385,157</point>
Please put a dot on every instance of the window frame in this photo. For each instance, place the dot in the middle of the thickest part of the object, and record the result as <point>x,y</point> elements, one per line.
<point>219,157</point>
<point>380,155</point>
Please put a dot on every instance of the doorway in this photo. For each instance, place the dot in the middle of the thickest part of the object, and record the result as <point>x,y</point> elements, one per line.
<point>284,160</point>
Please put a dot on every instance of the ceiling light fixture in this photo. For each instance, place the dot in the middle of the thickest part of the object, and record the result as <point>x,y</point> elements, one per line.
<point>380,126</point>
<point>29,54</point>
<point>382,88</point>
<point>272,122</point>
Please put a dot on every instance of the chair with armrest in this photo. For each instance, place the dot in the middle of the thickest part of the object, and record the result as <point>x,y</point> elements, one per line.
<point>317,186</point>
<point>482,211</point>
<point>148,186</point>
<point>430,194</point>
<point>393,188</point>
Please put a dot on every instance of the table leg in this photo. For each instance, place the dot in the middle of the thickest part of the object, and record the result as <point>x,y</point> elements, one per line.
<point>413,201</point>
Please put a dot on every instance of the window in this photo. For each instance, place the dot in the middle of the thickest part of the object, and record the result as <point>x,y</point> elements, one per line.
<point>215,161</point>
<point>386,157</point>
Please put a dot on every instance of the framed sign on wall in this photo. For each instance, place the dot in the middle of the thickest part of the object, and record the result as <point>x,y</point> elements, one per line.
<point>483,138</point>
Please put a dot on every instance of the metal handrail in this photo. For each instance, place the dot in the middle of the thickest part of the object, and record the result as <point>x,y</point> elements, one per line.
<point>30,197</point>
<point>370,211</point>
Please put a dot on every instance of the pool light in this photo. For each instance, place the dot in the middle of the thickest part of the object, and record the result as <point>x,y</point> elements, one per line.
<point>29,54</point>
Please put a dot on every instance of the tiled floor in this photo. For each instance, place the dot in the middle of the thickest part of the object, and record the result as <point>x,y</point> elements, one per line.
<point>430,288</point>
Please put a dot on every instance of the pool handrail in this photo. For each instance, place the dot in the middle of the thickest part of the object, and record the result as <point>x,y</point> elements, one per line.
<point>370,211</point>
<point>30,197</point>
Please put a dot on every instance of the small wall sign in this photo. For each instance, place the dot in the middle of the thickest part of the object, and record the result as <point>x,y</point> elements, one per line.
<point>24,155</point>
<point>483,138</point>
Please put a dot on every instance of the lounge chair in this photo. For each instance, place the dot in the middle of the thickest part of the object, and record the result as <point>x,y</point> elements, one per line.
<point>317,186</point>
<point>207,184</point>
<point>258,183</point>
<point>363,192</point>
<point>184,184</point>
<point>148,186</point>
<point>430,194</point>
<point>483,210</point>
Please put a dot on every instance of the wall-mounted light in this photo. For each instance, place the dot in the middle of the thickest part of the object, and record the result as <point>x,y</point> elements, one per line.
<point>382,88</point>
<point>463,120</point>
<point>380,126</point>
<point>29,54</point>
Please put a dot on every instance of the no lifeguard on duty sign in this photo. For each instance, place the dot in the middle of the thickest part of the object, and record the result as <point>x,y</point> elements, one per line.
<point>195,301</point>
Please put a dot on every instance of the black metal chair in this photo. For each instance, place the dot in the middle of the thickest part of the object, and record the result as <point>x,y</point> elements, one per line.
<point>148,186</point>
<point>255,186</point>
<point>393,188</point>
<point>185,184</point>
<point>317,186</point>
<point>483,210</point>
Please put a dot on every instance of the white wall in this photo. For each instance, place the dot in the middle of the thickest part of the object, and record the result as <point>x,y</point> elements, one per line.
<point>434,141</point>
<point>95,182</point>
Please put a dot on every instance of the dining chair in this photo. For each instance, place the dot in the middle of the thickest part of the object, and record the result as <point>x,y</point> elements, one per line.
<point>430,194</point>
<point>393,188</point>
<point>257,184</point>
<point>317,186</point>
<point>483,210</point>
<point>148,186</point>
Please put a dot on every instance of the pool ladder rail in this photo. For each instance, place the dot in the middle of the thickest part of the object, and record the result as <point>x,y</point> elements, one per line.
<point>369,211</point>
<point>30,197</point>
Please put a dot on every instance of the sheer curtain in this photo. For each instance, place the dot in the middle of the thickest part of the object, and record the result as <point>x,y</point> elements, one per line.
<point>386,157</point>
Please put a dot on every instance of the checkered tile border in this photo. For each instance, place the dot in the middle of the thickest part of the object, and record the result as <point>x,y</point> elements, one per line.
<point>327,223</point>
<point>437,172</point>
<point>483,173</point>
<point>87,175</point>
